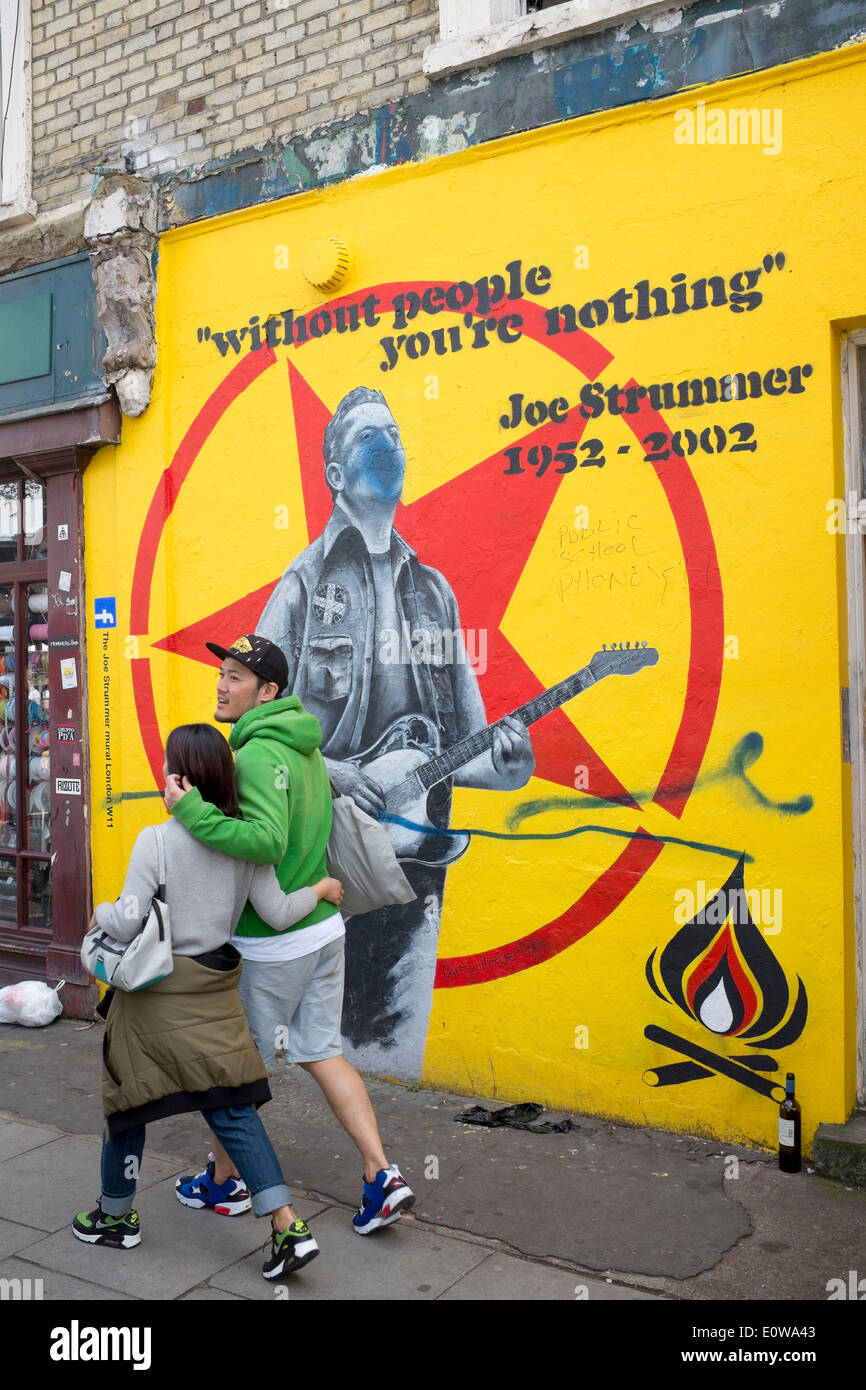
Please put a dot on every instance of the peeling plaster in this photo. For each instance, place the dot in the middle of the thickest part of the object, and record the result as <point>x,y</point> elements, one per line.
<point>373,169</point>
<point>480,77</point>
<point>346,152</point>
<point>447,135</point>
<point>662,55</point>
<point>55,236</point>
<point>663,23</point>
<point>295,168</point>
<point>716,18</point>
<point>120,227</point>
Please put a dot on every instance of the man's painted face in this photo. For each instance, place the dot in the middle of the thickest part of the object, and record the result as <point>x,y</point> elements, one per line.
<point>370,463</point>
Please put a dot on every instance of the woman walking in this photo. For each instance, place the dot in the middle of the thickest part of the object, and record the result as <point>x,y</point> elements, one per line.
<point>183,1043</point>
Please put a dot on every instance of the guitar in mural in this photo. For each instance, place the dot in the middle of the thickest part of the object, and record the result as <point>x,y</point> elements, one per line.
<point>400,760</point>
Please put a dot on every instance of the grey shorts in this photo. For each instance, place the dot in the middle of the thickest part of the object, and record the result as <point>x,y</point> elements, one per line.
<point>296,1005</point>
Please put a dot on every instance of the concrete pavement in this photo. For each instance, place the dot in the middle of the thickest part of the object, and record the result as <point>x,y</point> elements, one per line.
<point>46,1175</point>
<point>604,1212</point>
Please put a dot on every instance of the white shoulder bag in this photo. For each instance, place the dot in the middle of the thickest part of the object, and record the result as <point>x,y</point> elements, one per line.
<point>133,965</point>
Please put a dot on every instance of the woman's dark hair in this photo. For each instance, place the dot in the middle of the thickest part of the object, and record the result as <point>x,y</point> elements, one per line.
<point>200,752</point>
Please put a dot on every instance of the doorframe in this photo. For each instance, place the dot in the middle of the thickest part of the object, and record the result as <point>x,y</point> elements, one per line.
<point>55,449</point>
<point>853,409</point>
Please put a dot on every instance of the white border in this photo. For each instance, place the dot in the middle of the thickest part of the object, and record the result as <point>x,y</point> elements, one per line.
<point>476,31</point>
<point>852,407</point>
<point>16,202</point>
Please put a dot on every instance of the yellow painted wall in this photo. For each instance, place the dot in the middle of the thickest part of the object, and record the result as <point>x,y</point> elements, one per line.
<point>569,1030</point>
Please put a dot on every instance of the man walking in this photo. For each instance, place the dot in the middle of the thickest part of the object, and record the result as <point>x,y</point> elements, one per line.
<point>292,982</point>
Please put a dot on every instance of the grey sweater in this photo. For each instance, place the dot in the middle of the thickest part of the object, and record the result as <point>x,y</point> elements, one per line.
<point>206,892</point>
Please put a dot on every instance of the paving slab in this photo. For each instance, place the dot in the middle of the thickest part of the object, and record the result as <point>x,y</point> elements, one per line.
<point>502,1278</point>
<point>18,1139</point>
<point>404,1262</point>
<point>643,1207</point>
<point>46,1186</point>
<point>209,1295</point>
<point>57,1287</point>
<point>14,1237</point>
<point>180,1248</point>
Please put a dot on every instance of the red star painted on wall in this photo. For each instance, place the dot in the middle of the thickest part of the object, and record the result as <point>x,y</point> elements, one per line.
<point>482,565</point>
<point>443,527</point>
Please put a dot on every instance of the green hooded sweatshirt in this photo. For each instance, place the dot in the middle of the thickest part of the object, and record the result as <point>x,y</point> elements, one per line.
<point>285,801</point>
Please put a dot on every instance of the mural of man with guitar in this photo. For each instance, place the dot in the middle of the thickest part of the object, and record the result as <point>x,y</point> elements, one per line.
<point>375,650</point>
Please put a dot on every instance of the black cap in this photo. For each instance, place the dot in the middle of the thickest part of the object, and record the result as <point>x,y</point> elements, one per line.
<point>259,655</point>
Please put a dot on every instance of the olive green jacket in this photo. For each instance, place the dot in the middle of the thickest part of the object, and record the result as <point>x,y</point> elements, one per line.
<point>181,1044</point>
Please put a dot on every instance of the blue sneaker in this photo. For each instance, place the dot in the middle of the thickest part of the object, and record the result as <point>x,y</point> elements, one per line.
<point>230,1198</point>
<point>384,1201</point>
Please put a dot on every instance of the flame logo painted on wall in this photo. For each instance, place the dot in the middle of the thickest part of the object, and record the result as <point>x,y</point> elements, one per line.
<point>719,991</point>
<point>719,970</point>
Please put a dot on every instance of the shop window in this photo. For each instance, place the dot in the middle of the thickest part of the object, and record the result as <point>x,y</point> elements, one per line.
<point>44,773</point>
<point>476,31</point>
<point>25,745</point>
<point>16,204</point>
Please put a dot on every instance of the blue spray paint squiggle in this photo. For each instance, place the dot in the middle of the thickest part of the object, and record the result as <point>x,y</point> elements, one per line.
<point>744,756</point>
<point>567,834</point>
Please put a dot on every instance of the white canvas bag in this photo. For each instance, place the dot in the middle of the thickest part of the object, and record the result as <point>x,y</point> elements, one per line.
<point>362,857</point>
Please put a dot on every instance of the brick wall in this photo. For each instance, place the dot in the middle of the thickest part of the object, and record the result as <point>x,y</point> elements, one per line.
<point>179,83</point>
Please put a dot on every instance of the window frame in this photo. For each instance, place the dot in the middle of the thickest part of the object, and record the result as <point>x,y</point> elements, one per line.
<point>31,950</point>
<point>16,178</point>
<point>473,32</point>
<point>19,575</point>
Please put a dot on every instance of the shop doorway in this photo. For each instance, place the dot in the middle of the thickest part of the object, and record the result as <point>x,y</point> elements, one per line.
<point>44,855</point>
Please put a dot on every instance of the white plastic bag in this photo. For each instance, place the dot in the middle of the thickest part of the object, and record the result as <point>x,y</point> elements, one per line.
<point>30,1003</point>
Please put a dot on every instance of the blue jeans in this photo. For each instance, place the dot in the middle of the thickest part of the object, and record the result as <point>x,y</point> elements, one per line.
<point>241,1133</point>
